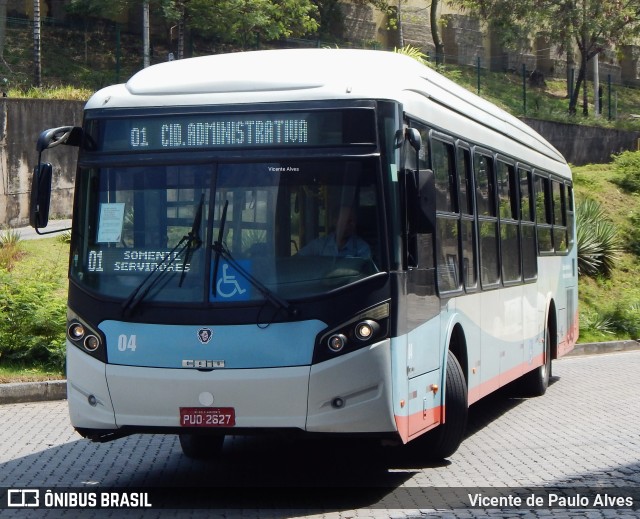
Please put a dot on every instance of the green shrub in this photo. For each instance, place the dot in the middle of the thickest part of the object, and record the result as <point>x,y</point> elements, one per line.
<point>627,167</point>
<point>633,237</point>
<point>596,326</point>
<point>10,250</point>
<point>599,243</point>
<point>32,322</point>
<point>625,319</point>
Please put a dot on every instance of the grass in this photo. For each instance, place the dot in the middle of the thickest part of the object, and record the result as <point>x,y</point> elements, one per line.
<point>609,305</point>
<point>550,102</point>
<point>12,373</point>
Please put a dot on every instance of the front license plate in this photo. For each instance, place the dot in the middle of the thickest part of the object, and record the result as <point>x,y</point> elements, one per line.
<point>207,417</point>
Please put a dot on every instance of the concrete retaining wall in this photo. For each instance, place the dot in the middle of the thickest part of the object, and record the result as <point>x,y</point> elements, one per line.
<point>21,121</point>
<point>585,144</point>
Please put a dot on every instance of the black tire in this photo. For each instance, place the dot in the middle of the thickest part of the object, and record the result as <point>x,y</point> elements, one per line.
<point>536,382</point>
<point>443,441</point>
<point>201,446</point>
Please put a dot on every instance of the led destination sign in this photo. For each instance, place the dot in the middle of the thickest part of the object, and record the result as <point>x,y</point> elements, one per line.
<point>200,131</point>
<point>221,133</point>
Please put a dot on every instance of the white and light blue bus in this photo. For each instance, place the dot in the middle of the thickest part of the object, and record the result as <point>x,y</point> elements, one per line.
<point>320,241</point>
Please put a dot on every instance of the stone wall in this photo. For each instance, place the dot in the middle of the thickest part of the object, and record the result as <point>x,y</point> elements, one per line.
<point>359,23</point>
<point>463,40</point>
<point>21,121</point>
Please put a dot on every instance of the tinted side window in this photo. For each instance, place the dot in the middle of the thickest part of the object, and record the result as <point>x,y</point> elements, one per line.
<point>509,227</point>
<point>527,226</point>
<point>559,217</point>
<point>487,220</point>
<point>443,169</point>
<point>448,222</point>
<point>543,214</point>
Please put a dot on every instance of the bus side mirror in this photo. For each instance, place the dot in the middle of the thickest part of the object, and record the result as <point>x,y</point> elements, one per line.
<point>69,135</point>
<point>40,195</point>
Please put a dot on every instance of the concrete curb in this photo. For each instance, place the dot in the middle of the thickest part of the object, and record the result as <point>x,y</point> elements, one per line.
<point>596,348</point>
<point>22,392</point>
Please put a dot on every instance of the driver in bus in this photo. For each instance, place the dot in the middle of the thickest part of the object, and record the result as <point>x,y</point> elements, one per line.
<point>342,242</point>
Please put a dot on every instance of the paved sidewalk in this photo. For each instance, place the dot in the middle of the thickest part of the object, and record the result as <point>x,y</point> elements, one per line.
<point>29,233</point>
<point>22,392</point>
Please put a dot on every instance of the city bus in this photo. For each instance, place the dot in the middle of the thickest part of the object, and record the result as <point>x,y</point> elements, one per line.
<point>322,241</point>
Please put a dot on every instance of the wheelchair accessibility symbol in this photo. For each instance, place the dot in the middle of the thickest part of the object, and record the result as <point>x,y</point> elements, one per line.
<point>230,283</point>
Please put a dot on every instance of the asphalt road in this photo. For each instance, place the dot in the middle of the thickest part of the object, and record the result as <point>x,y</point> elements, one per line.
<point>582,437</point>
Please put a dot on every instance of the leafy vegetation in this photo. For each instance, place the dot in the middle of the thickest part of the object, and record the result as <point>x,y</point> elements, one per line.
<point>627,167</point>
<point>599,244</point>
<point>33,309</point>
<point>609,304</point>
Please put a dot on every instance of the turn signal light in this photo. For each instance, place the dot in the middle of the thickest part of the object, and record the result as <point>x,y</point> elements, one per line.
<point>91,343</point>
<point>336,342</point>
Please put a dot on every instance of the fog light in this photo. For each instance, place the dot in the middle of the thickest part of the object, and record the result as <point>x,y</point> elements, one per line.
<point>366,330</point>
<point>76,331</point>
<point>337,342</point>
<point>91,343</point>
<point>337,402</point>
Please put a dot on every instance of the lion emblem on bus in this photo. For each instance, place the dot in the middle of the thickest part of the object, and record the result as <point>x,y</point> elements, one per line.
<point>205,335</point>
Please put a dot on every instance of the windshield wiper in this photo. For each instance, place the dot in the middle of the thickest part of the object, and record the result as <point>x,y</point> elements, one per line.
<point>221,251</point>
<point>194,241</point>
<point>189,242</point>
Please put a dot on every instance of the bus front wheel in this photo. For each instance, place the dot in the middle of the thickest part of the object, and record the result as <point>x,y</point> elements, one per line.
<point>443,441</point>
<point>201,446</point>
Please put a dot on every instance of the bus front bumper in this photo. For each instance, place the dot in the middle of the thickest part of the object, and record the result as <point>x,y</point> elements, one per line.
<point>350,394</point>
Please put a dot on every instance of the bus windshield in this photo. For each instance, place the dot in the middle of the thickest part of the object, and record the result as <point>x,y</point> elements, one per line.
<point>295,228</point>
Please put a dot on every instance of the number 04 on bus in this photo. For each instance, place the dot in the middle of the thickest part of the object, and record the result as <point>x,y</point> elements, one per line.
<point>328,241</point>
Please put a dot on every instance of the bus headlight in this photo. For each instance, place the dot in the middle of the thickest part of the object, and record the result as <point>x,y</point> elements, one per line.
<point>366,330</point>
<point>85,337</point>
<point>76,331</point>
<point>362,330</point>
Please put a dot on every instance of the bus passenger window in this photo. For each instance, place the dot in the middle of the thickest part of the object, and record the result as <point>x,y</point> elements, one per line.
<point>444,174</point>
<point>527,227</point>
<point>448,221</point>
<point>485,198</point>
<point>467,223</point>
<point>570,217</point>
<point>543,214</point>
<point>487,221</point>
<point>559,217</point>
<point>509,235</point>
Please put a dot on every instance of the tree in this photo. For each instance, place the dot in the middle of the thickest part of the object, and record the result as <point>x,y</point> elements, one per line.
<point>247,22</point>
<point>86,9</point>
<point>434,23</point>
<point>37,48</point>
<point>593,25</point>
<point>3,26</point>
<point>590,25</point>
<point>435,31</point>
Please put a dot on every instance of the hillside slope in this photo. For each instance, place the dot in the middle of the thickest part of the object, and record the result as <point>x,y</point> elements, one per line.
<point>610,307</point>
